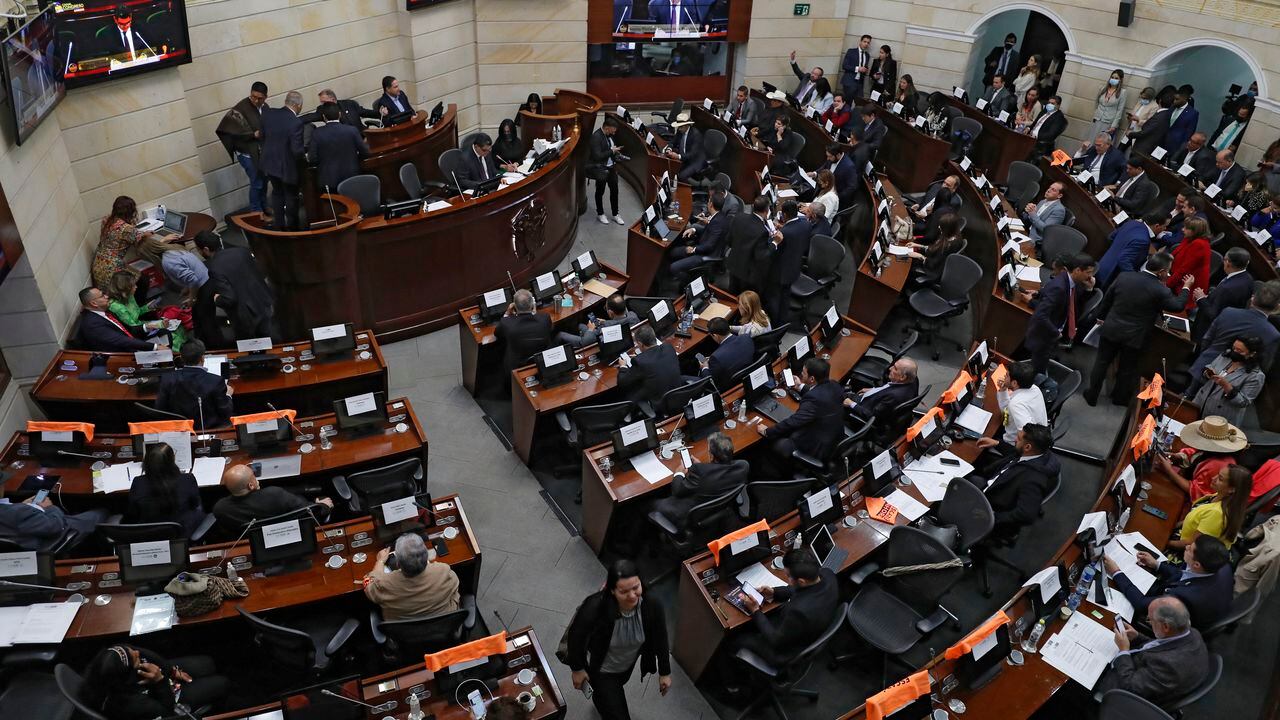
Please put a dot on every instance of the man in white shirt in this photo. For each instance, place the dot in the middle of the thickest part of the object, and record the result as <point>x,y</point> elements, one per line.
<point>1021,402</point>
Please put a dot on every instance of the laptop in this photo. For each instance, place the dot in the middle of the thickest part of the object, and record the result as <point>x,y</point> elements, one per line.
<point>825,550</point>
<point>772,409</point>
<point>175,225</point>
<point>661,230</point>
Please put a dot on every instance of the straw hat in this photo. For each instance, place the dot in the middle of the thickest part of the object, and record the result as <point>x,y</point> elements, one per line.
<point>1213,434</point>
<point>683,119</point>
<point>777,95</point>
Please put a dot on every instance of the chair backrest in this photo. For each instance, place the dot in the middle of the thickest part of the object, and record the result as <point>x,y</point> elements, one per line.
<point>797,667</point>
<point>908,341</point>
<point>1024,194</point>
<point>1242,606</point>
<point>126,533</point>
<point>595,422</point>
<point>465,143</point>
<point>416,636</point>
<point>741,375</point>
<point>921,590</point>
<point>71,684</point>
<point>902,415</point>
<point>1070,219</point>
<point>1210,679</point>
<point>774,498</point>
<point>676,107</point>
<point>724,182</point>
<point>710,518</point>
<point>450,163</point>
<point>284,646</point>
<point>965,507</point>
<point>1124,705</point>
<point>1059,239</point>
<point>713,143</point>
<point>770,342</point>
<point>1091,303</point>
<point>825,255</point>
<point>1069,381</point>
<point>397,480</point>
<point>959,275</point>
<point>676,398</point>
<point>1061,426</point>
<point>10,545</point>
<point>969,125</point>
<point>1215,263</point>
<point>1263,502</point>
<point>795,144</point>
<point>365,190</point>
<point>1021,173</point>
<point>410,180</point>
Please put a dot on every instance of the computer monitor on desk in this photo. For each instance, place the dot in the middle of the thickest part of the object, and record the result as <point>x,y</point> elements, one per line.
<point>493,304</point>
<point>47,446</point>
<point>615,339</point>
<point>362,414</point>
<point>801,351</point>
<point>257,357</point>
<point>333,700</point>
<point>284,543</point>
<point>697,294</point>
<point>662,318</point>
<point>333,342</point>
<point>879,475</point>
<point>758,384</point>
<point>555,365</point>
<point>487,187</point>
<point>437,113</point>
<point>263,435</point>
<point>150,565</point>
<point>743,552</point>
<point>545,157</point>
<point>487,670</point>
<point>703,414</point>
<point>932,431</point>
<point>547,285</point>
<point>393,517</point>
<point>29,567</point>
<point>973,671</point>
<point>820,507</point>
<point>830,326</point>
<point>586,265</point>
<point>634,438</point>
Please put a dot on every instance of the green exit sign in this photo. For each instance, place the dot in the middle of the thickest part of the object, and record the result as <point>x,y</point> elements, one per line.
<point>802,9</point>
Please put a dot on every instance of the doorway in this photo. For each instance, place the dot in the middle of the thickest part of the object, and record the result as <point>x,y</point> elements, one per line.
<point>1211,70</point>
<point>1037,33</point>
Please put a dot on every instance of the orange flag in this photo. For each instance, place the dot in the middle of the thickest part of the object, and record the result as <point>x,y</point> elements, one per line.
<point>46,426</point>
<point>264,416</point>
<point>933,414</point>
<point>957,386</point>
<point>1142,439</point>
<point>881,510</point>
<point>1154,391</point>
<point>1060,158</point>
<point>897,696</point>
<point>977,636</point>
<point>159,426</point>
<point>474,650</point>
<point>715,546</point>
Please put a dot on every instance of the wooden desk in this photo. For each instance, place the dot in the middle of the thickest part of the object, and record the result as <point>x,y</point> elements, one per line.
<point>478,340</point>
<point>703,623</point>
<point>1019,691</point>
<point>997,146</point>
<point>316,584</point>
<point>739,161</point>
<point>1091,218</point>
<point>417,679</point>
<point>816,137</point>
<point>602,500</point>
<point>565,109</point>
<point>350,452</point>
<point>910,156</point>
<point>878,288</point>
<point>646,254</point>
<point>644,164</point>
<point>108,404</point>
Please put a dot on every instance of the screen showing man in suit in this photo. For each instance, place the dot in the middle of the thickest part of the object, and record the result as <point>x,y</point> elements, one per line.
<point>650,17</point>
<point>100,40</point>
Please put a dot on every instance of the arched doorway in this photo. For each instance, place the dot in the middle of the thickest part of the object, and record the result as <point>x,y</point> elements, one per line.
<point>1039,32</point>
<point>1211,67</point>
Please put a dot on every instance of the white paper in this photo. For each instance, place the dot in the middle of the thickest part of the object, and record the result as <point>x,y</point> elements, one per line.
<point>742,544</point>
<point>758,377</point>
<point>181,444</point>
<point>213,364</point>
<point>1081,650</point>
<point>545,281</point>
<point>263,426</point>
<point>56,435</point>
<point>1003,222</point>
<point>1159,153</point>
<point>494,298</point>
<point>819,502</point>
<point>18,564</point>
<point>974,419</point>
<point>279,467</point>
<point>1011,246</point>
<point>881,463</point>
<point>1097,521</point>
<point>1129,478</point>
<point>706,103</point>
<point>1212,191</point>
<point>149,357</point>
<point>1003,116</point>
<point>965,163</point>
<point>152,613</point>
<point>1102,195</point>
<point>704,405</point>
<point>981,104</point>
<point>1186,170</point>
<point>828,126</point>
<point>981,182</point>
<point>621,111</point>
<point>897,108</point>
<point>10,623</point>
<point>831,316</point>
<point>899,250</point>
<point>1262,237</point>
<point>933,463</point>
<point>1170,425</point>
<point>907,506</point>
<point>554,356</point>
<point>284,533</point>
<point>650,467</point>
<point>633,433</point>
<point>402,509</point>
<point>328,332</point>
<point>660,310</point>
<point>1117,603</point>
<point>875,96</point>
<point>117,478</point>
<point>253,344</point>
<point>1127,563</point>
<point>757,575</point>
<point>1177,323</point>
<point>985,645</point>
<point>957,92</point>
<point>788,193</point>
<point>1048,580</point>
<point>1026,273</point>
<point>439,205</point>
<point>208,471</point>
<point>1020,238</point>
<point>1083,176</point>
<point>358,404</point>
<point>801,348</point>
<point>156,552</point>
<point>1005,272</point>
<point>610,333</point>
<point>1095,333</point>
<point>46,623</point>
<point>931,487</point>
<point>1120,217</point>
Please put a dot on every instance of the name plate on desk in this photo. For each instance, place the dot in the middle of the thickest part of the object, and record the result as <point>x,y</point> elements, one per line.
<point>1120,217</point>
<point>995,202</point>
<point>55,435</point>
<point>1103,195</point>
<point>285,533</point>
<point>153,357</point>
<point>328,332</point>
<point>545,281</point>
<point>1158,153</point>
<point>360,404</point>
<point>1237,212</point>
<point>981,104</point>
<point>965,163</point>
<point>149,553</point>
<point>263,426</point>
<point>496,298</point>
<point>897,108</point>
<point>254,344</point>
<point>1212,191</point>
<point>919,121</point>
<point>1186,170</point>
<point>875,96</point>
<point>17,564</point>
<point>1003,116</point>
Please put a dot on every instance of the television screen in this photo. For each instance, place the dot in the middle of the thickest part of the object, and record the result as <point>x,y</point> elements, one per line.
<point>31,81</point>
<point>665,18</point>
<point>104,39</point>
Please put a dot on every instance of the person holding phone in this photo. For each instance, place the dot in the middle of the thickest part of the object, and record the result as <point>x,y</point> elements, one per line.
<point>39,524</point>
<point>1163,666</point>
<point>1233,381</point>
<point>125,682</point>
<point>1202,581</point>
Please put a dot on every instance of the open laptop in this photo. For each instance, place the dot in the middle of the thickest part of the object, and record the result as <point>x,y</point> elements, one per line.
<point>174,225</point>
<point>825,550</point>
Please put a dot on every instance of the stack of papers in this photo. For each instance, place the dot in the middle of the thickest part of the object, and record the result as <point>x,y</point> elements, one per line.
<point>39,624</point>
<point>907,506</point>
<point>208,471</point>
<point>1096,521</point>
<point>1026,273</point>
<point>1081,650</point>
<point>117,478</point>
<point>1128,564</point>
<point>758,576</point>
<point>152,613</point>
<point>650,467</point>
<point>932,487</point>
<point>975,419</point>
<point>899,250</point>
<point>933,464</point>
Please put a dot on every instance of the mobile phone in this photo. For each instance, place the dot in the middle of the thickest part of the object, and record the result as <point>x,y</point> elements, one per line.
<point>788,377</point>
<point>701,358</point>
<point>1120,624</point>
<point>1153,510</point>
<point>587,692</point>
<point>591,318</point>
<point>949,461</point>
<point>40,496</point>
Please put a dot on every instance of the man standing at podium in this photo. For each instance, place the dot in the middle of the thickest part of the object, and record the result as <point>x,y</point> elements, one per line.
<point>281,147</point>
<point>336,148</point>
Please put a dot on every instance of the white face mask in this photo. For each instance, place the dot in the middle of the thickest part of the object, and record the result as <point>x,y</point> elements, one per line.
<point>1050,107</point>
<point>1113,82</point>
<point>1144,101</point>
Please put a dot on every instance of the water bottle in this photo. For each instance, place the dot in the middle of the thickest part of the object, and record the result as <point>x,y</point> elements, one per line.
<point>742,411</point>
<point>1082,588</point>
<point>675,207</point>
<point>1033,639</point>
<point>982,389</point>
<point>415,707</point>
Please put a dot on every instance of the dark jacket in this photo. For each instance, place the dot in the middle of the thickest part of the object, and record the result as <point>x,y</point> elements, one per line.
<point>750,251</point>
<point>711,239</point>
<point>591,631</point>
<point>788,258</point>
<point>473,169</point>
<point>235,277</point>
<point>133,701</point>
<point>233,513</point>
<point>601,151</point>
<point>281,144</point>
<point>1162,674</point>
<point>804,615</point>
<point>992,63</point>
<point>1111,170</point>
<point>689,146</point>
<point>734,354</point>
<point>1133,304</point>
<point>652,373</point>
<point>888,69</point>
<point>872,135</point>
<point>524,335</point>
<point>846,174</point>
<point>1230,183</point>
<point>817,424</point>
<point>879,405</point>
<point>336,149</point>
<point>1202,161</point>
<point>1128,250</point>
<point>1230,324</point>
<point>98,334</point>
<point>1152,133</point>
<point>1016,490</point>
<point>349,113</point>
<point>1050,130</point>
<point>384,100</point>
<point>998,101</point>
<point>36,530</point>
<point>179,390</point>
<point>1230,292</point>
<point>1182,128</point>
<point>147,504</point>
<point>1138,198</point>
<point>1208,598</point>
<point>705,481</point>
<point>236,130</point>
<point>1049,318</point>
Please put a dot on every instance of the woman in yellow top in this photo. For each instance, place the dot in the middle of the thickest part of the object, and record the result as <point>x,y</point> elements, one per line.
<point>1221,514</point>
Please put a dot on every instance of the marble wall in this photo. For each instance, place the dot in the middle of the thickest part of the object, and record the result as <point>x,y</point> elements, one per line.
<point>526,46</point>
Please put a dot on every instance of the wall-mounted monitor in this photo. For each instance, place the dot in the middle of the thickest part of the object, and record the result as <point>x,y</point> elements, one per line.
<point>102,40</point>
<point>31,81</point>
<point>689,19</point>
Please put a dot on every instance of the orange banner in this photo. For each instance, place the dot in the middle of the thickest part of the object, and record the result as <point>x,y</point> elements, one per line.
<point>1154,391</point>
<point>881,510</point>
<point>716,545</point>
<point>46,426</point>
<point>1000,377</point>
<point>1061,158</point>
<point>474,650</point>
<point>1142,439</point>
<point>264,416</point>
<point>934,413</point>
<point>159,426</point>
<point>897,696</point>
<point>957,386</point>
<point>977,636</point>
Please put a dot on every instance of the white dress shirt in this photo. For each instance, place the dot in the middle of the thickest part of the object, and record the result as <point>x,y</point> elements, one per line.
<point>1022,406</point>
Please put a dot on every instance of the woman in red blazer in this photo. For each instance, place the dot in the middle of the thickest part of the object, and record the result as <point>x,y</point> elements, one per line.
<point>838,113</point>
<point>1191,257</point>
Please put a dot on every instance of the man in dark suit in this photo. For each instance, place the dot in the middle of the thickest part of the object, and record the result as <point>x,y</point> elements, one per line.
<point>686,147</point>
<point>1054,317</point>
<point>240,131</point>
<point>1137,193</point>
<point>195,393</point>
<point>702,243</point>
<point>808,607</point>
<point>790,247</point>
<point>237,285</point>
<point>1228,176</point>
<point>653,371</point>
<point>617,313</point>
<point>1196,153</point>
<point>678,12</point>
<point>808,81</point>
<point>876,403</point>
<point>1203,582</point>
<point>45,526</point>
<point>1232,291</point>
<point>818,222</point>
<point>704,481</point>
<point>247,500</point>
<point>478,165</point>
<point>1233,323</point>
<point>846,170</point>
<point>1049,124</point>
<point>817,425</point>
<point>734,354</point>
<point>1152,134</point>
<point>1129,311</point>
<point>602,166</point>
<point>999,98</point>
<point>873,132</point>
<point>856,66</point>
<point>745,109</point>
<point>1129,246</point>
<point>750,248</point>
<point>1163,668</point>
<point>1001,60</point>
<point>1183,119</point>
<point>281,147</point>
<point>1020,481</point>
<point>524,330</point>
<point>336,148</point>
<point>1102,160</point>
<point>100,331</point>
<point>393,103</point>
<point>350,112</point>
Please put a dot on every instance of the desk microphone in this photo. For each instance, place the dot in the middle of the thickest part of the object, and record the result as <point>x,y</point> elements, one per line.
<point>512,281</point>
<point>332,209</point>
<point>225,557</point>
<point>686,14</point>
<point>458,185</point>
<point>286,419</point>
<point>625,12</point>
<point>74,597</point>
<point>505,627</point>
<point>353,701</point>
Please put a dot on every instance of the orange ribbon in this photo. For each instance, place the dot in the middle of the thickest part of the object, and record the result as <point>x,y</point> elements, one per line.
<point>715,546</point>
<point>162,426</point>
<point>914,430</point>
<point>882,510</point>
<point>1154,391</point>
<point>957,386</point>
<point>264,416</point>
<point>1142,439</point>
<point>976,637</point>
<point>474,650</point>
<point>898,695</point>
<point>1060,158</point>
<point>34,426</point>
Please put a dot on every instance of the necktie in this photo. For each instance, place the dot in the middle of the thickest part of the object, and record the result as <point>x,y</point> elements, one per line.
<point>1176,113</point>
<point>1071,313</point>
<point>684,137</point>
<point>675,13</point>
<point>1125,187</point>
<point>738,114</point>
<point>1222,178</point>
<point>116,322</point>
<point>862,61</point>
<point>484,167</point>
<point>1004,62</point>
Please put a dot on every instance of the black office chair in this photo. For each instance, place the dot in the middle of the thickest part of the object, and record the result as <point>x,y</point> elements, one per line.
<point>1069,381</point>
<point>821,271</point>
<point>836,467</point>
<point>962,521</point>
<point>921,197</point>
<point>305,651</point>
<point>705,522</point>
<point>410,180</point>
<point>450,165</point>
<point>784,678</point>
<point>71,684</point>
<point>1058,240</point>
<point>1022,183</point>
<point>872,368</point>
<point>57,546</point>
<point>35,696</point>
<point>1123,705</point>
<point>128,533</point>
<point>1070,220</point>
<point>366,190</point>
<point>767,499</point>
<point>1215,265</point>
<point>900,418</point>
<point>674,400</point>
<point>769,343</point>
<point>948,299</point>
<point>741,376</point>
<point>841,222</point>
<point>397,480</point>
<point>786,160</point>
<point>964,131</point>
<point>591,424</point>
<point>725,183</point>
<point>410,638</point>
<point>1242,606</point>
<point>1264,502</point>
<point>1060,429</point>
<point>713,144</point>
<point>1089,310</point>
<point>663,127</point>
<point>1210,680</point>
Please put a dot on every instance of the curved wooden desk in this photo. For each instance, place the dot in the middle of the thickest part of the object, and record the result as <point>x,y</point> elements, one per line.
<point>998,145</point>
<point>739,161</point>
<point>1003,318</point>
<point>564,109</point>
<point>878,286</point>
<point>411,275</point>
<point>911,156</point>
<point>1091,218</point>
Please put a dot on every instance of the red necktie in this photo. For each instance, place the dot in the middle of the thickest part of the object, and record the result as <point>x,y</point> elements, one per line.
<point>1071,314</point>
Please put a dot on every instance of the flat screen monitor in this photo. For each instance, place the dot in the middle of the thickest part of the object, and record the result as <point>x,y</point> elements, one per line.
<point>151,564</point>
<point>544,158</point>
<point>486,670</point>
<point>493,304</point>
<point>801,351</point>
<point>395,517</point>
<point>741,553</point>
<point>317,702</point>
<point>555,365</point>
<point>586,265</point>
<point>437,113</point>
<point>363,412</point>
<point>879,475</point>
<point>821,543</point>
<point>25,566</point>
<point>703,414</point>
<point>102,40</point>
<point>547,285</point>
<point>830,326</point>
<point>284,543</point>
<point>758,383</point>
<point>33,81</point>
<point>697,293</point>
<point>973,671</point>
<point>963,398</point>
<point>635,438</point>
<point>662,318</point>
<point>332,341</point>
<point>46,446</point>
<point>264,435</point>
<point>615,339</point>
<point>929,434</point>
<point>697,19</point>
<point>487,187</point>
<point>820,507</point>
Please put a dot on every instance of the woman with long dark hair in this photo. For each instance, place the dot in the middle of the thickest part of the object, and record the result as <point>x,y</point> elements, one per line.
<point>163,493</point>
<point>508,147</point>
<point>124,682</point>
<point>533,104</point>
<point>1221,514</point>
<point>117,234</point>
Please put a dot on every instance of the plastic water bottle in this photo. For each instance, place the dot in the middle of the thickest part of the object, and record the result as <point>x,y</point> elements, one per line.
<point>415,707</point>
<point>1033,638</point>
<point>1082,587</point>
<point>742,411</point>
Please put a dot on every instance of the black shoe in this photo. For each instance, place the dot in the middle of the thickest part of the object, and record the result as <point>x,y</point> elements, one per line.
<point>1091,400</point>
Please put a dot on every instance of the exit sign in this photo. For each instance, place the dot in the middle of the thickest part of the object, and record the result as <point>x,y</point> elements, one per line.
<point>802,9</point>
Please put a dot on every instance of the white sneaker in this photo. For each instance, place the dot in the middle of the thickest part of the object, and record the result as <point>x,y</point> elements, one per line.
<point>618,219</point>
<point>604,219</point>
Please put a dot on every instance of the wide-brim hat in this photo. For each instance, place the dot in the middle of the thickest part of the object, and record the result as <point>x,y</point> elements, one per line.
<point>777,95</point>
<point>683,119</point>
<point>1213,434</point>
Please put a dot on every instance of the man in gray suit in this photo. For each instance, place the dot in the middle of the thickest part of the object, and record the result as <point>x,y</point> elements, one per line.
<point>745,109</point>
<point>1234,323</point>
<point>43,525</point>
<point>1164,667</point>
<point>1049,211</point>
<point>1137,192</point>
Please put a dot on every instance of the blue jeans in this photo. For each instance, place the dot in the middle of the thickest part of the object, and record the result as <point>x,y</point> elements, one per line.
<point>257,183</point>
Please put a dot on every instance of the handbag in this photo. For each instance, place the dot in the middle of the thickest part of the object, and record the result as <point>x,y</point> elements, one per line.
<point>197,594</point>
<point>902,228</point>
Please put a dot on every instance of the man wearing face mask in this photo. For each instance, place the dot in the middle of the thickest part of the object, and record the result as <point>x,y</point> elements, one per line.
<point>1048,126</point>
<point>1151,134</point>
<point>1001,60</point>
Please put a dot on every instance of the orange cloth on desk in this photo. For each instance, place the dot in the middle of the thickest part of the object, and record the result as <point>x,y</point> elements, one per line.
<point>977,636</point>
<point>898,695</point>
<point>159,426</point>
<point>957,386</point>
<point>1153,392</point>
<point>474,650</point>
<point>715,546</point>
<point>47,426</point>
<point>1142,439</point>
<point>264,416</point>
<point>1000,376</point>
<point>882,510</point>
<point>934,413</point>
<point>1060,158</point>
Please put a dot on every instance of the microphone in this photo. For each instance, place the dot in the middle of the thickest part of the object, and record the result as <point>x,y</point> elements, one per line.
<point>353,701</point>
<point>686,14</point>
<point>248,526</point>
<point>286,419</point>
<point>74,597</point>
<point>68,453</point>
<point>512,281</point>
<point>505,627</point>
<point>625,11</point>
<point>457,184</point>
<point>332,209</point>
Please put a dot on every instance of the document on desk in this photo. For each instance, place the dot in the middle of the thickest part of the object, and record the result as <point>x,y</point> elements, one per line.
<point>788,193</point>
<point>117,478</point>
<point>279,467</point>
<point>908,507</point>
<point>208,471</point>
<point>438,205</point>
<point>1096,521</point>
<point>933,464</point>
<point>650,467</point>
<point>932,487</point>
<point>1128,564</point>
<point>974,418</point>
<point>1129,478</point>
<point>596,287</point>
<point>1026,273</point>
<point>181,444</point>
<point>758,576</point>
<point>152,613</point>
<point>46,623</point>
<point>10,622</point>
<point>1049,581</point>
<point>715,310</point>
<point>1171,426</point>
<point>899,250</point>
<point>1081,650</point>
